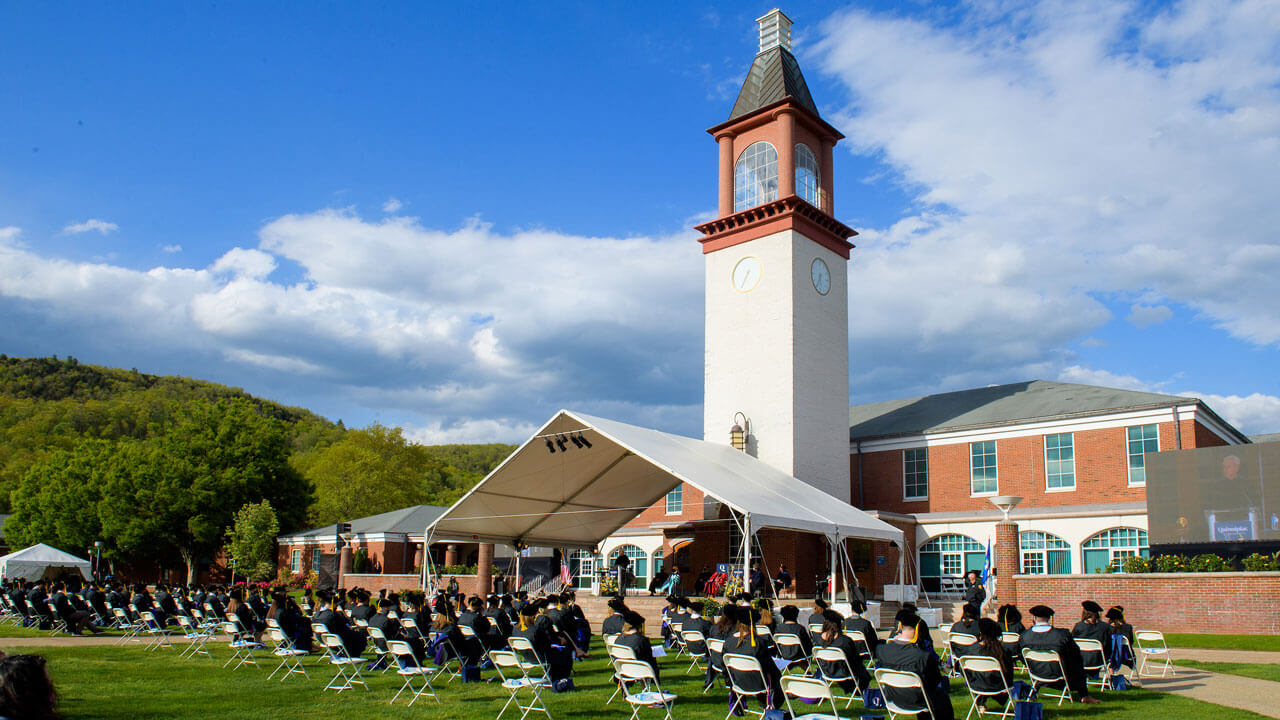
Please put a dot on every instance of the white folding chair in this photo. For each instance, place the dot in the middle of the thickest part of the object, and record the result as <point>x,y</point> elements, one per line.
<point>408,667</point>
<point>810,690</point>
<point>381,651</point>
<point>695,643</point>
<point>899,680</point>
<point>738,668</point>
<point>860,643</point>
<point>525,650</point>
<point>158,634</point>
<point>242,647</point>
<point>56,623</point>
<point>348,667</point>
<point>318,631</point>
<point>715,660</point>
<point>815,632</point>
<point>195,637</point>
<point>973,667</point>
<point>411,627</point>
<point>1012,638</point>
<point>618,653</point>
<point>1151,647</point>
<point>1095,662</point>
<point>677,638</point>
<point>514,679</point>
<point>843,672</point>
<point>650,693</point>
<point>288,655</point>
<point>790,644</point>
<point>130,628</point>
<point>1051,671</point>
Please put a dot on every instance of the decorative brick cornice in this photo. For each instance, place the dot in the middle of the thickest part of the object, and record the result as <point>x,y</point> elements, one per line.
<point>785,213</point>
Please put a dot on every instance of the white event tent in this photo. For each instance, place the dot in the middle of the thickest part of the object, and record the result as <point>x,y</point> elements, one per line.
<point>41,561</point>
<point>577,497</point>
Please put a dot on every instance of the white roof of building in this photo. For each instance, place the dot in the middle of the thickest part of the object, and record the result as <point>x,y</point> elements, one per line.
<point>580,496</point>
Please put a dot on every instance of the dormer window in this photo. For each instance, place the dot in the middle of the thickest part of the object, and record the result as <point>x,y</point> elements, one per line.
<point>808,179</point>
<point>755,180</point>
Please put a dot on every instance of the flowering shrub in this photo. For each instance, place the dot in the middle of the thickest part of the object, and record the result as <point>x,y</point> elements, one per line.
<point>1136,564</point>
<point>1258,562</point>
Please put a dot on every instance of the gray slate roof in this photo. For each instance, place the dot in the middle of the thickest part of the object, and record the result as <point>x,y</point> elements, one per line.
<point>997,405</point>
<point>411,520</point>
<point>774,75</point>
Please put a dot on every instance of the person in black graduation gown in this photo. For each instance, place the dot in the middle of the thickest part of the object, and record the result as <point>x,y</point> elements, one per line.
<point>815,618</point>
<point>967,624</point>
<point>903,652</point>
<point>923,637</point>
<point>989,645</point>
<point>549,648</point>
<point>744,641</point>
<point>1009,618</point>
<point>1044,636</point>
<point>474,647</point>
<point>1120,655</point>
<point>336,623</point>
<point>499,623</point>
<point>857,623</point>
<point>363,610</point>
<point>633,637</point>
<point>392,629</point>
<point>579,627</point>
<point>833,637</point>
<point>613,624</point>
<point>1092,627</point>
<point>790,614</point>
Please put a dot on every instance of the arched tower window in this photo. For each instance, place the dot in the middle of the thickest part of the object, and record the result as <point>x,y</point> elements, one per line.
<point>808,179</point>
<point>946,558</point>
<point>1112,546</point>
<point>755,179</point>
<point>1044,553</point>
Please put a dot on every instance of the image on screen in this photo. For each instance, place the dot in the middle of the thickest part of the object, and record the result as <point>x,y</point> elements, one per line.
<point>1223,494</point>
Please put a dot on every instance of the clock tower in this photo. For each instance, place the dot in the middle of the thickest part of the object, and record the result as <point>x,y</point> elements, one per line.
<point>777,332</point>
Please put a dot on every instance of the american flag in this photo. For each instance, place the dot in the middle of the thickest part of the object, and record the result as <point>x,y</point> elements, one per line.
<point>565,576</point>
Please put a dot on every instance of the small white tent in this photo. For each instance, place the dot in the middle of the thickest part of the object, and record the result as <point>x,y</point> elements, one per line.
<point>41,561</point>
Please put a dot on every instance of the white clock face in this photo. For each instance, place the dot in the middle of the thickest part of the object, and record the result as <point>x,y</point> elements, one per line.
<point>746,274</point>
<point>821,277</point>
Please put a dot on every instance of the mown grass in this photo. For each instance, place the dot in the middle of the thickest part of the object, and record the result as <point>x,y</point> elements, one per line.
<point>1226,642</point>
<point>115,683</point>
<point>1253,670</point>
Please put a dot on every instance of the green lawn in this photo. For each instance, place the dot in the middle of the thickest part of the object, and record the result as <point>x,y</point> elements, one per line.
<point>15,631</point>
<point>1261,672</point>
<point>129,682</point>
<point>1227,642</point>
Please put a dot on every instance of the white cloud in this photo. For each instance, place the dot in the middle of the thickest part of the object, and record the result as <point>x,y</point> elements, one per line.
<point>242,263</point>
<point>273,362</point>
<point>1057,154</point>
<point>391,205</point>
<point>472,431</point>
<point>1253,414</point>
<point>102,227</point>
<point>1105,378</point>
<point>171,249</point>
<point>1143,316</point>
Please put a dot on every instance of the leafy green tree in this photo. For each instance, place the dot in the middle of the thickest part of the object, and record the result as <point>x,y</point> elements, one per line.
<point>56,500</point>
<point>370,471</point>
<point>251,541</point>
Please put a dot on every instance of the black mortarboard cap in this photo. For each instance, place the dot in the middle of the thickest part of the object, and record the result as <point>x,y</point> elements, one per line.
<point>1091,606</point>
<point>1041,611</point>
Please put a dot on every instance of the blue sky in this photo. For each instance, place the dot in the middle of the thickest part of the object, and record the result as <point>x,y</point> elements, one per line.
<point>460,219</point>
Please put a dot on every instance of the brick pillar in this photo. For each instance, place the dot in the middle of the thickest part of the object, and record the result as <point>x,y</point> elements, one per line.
<point>450,554</point>
<point>417,556</point>
<point>484,570</point>
<point>786,154</point>
<point>725,196</point>
<point>344,564</point>
<point>1007,561</point>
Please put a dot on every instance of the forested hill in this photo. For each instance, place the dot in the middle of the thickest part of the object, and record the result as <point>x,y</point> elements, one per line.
<point>48,405</point>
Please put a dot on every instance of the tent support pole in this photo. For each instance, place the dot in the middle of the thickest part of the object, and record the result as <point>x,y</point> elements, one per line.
<point>746,552</point>
<point>426,561</point>
<point>831,574</point>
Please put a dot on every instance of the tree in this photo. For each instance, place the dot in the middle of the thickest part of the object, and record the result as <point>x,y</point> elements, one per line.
<point>251,541</point>
<point>179,491</point>
<point>371,471</point>
<point>56,500</point>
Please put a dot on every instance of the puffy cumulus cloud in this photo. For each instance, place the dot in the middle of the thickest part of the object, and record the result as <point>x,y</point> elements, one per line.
<point>1254,414</point>
<point>175,248</point>
<point>1057,153</point>
<point>1143,316</point>
<point>504,430</point>
<point>1106,378</point>
<point>102,227</point>
<point>392,205</point>
<point>457,332</point>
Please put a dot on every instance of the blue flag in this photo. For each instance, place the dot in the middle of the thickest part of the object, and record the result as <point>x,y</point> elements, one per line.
<point>986,567</point>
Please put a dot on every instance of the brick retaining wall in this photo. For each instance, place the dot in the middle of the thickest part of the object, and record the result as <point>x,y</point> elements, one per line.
<point>1227,602</point>
<point>400,583</point>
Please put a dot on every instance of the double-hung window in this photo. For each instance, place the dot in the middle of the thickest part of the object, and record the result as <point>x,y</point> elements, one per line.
<point>1142,439</point>
<point>1059,462</point>
<point>982,468</point>
<point>915,474</point>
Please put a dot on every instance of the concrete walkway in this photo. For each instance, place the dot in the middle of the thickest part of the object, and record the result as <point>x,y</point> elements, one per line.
<point>1259,696</point>
<point>1252,657</point>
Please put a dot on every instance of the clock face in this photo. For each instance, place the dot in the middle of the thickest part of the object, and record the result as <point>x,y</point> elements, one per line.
<point>821,277</point>
<point>746,274</point>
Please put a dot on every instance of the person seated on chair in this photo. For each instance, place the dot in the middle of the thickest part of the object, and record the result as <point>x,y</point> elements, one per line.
<point>1092,627</point>
<point>745,641</point>
<point>697,623</point>
<point>671,585</point>
<point>967,624</point>
<point>337,623</point>
<point>765,606</point>
<point>613,624</point>
<point>247,620</point>
<point>77,620</point>
<point>499,623</point>
<point>391,628</point>
<point>791,613</point>
<point>1120,629</point>
<point>1010,620</point>
<point>704,577</point>
<point>142,600</point>
<point>759,582</point>
<point>659,580</point>
<point>833,637</point>
<point>923,637</point>
<point>781,581</point>
<point>579,628</point>
<point>164,600</point>
<point>362,610</point>
<point>989,645</point>
<point>1044,636</point>
<point>538,630</point>
<point>633,637</point>
<point>815,618</point>
<point>285,611</point>
<point>670,616</point>
<point>903,652</point>
<point>857,623</point>
<point>474,618</point>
